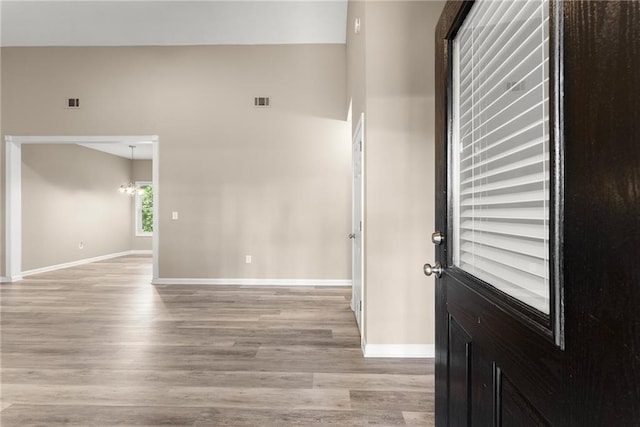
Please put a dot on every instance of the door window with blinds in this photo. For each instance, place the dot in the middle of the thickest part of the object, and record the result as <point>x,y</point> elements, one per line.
<point>500,148</point>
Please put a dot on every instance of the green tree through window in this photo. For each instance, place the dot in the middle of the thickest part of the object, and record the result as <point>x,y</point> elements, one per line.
<point>144,209</point>
<point>147,209</point>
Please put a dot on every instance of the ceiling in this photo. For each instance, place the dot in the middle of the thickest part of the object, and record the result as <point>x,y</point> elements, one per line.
<point>143,149</point>
<point>166,22</point>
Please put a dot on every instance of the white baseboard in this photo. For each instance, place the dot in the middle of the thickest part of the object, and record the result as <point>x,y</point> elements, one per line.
<point>400,350</point>
<point>140,252</point>
<point>74,264</point>
<point>252,282</point>
<point>8,279</point>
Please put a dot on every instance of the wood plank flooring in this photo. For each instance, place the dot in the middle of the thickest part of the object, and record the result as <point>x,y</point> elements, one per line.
<point>97,345</point>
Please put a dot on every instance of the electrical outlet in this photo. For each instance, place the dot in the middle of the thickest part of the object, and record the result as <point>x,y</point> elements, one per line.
<point>174,215</point>
<point>81,245</point>
<point>247,259</point>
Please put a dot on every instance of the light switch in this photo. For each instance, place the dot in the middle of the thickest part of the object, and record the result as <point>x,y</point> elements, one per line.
<point>174,215</point>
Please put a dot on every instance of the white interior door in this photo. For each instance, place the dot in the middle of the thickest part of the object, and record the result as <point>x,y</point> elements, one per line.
<point>357,225</point>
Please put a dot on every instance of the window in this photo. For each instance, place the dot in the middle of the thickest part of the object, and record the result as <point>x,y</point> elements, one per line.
<point>500,148</point>
<point>144,209</point>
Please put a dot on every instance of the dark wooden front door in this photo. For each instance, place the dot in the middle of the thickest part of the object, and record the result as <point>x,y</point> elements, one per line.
<point>502,361</point>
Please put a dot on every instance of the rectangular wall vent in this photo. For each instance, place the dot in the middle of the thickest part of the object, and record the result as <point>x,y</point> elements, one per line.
<point>261,101</point>
<point>73,103</point>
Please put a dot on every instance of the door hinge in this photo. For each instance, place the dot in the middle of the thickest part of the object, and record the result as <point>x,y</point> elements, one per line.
<point>360,225</point>
<point>360,145</point>
<point>360,305</point>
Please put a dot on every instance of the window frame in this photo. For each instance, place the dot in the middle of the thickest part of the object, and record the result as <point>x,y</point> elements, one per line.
<point>549,325</point>
<point>138,210</point>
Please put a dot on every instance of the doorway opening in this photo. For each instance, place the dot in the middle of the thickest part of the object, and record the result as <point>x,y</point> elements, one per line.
<point>13,182</point>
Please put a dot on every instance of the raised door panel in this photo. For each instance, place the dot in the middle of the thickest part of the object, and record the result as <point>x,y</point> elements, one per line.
<point>459,374</point>
<point>515,409</point>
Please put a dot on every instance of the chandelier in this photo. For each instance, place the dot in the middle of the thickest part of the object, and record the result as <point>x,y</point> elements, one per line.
<point>131,189</point>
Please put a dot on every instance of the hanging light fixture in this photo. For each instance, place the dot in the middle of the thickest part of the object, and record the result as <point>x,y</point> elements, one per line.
<point>131,189</point>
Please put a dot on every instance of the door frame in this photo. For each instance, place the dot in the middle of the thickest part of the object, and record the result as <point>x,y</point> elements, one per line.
<point>13,191</point>
<point>358,137</point>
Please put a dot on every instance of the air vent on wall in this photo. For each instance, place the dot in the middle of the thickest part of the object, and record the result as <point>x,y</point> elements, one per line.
<point>261,101</point>
<point>72,103</point>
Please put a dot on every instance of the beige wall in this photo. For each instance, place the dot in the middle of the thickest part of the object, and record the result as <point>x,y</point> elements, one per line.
<point>356,60</point>
<point>141,172</point>
<point>2,225</point>
<point>272,183</point>
<point>69,195</point>
<point>399,137</point>
<point>2,185</point>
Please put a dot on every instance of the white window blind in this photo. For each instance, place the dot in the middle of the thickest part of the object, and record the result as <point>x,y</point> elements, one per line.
<point>500,147</point>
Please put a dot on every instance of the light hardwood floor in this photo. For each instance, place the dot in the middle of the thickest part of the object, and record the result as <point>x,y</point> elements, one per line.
<point>97,345</point>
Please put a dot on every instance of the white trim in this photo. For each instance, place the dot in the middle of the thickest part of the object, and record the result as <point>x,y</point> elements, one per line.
<point>140,252</point>
<point>77,263</point>
<point>155,179</point>
<point>13,208</point>
<point>13,191</point>
<point>129,139</point>
<point>252,282</point>
<point>5,280</point>
<point>400,350</point>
